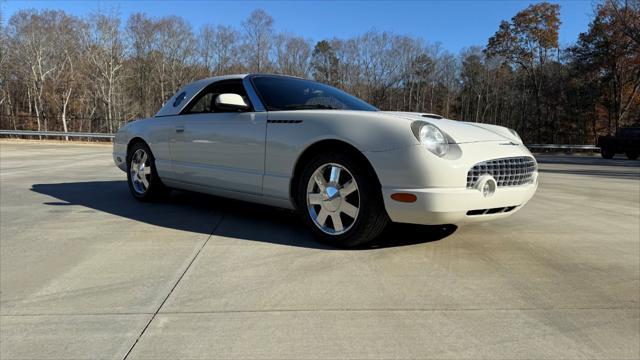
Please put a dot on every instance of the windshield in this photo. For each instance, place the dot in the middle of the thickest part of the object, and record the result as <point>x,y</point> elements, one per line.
<point>284,93</point>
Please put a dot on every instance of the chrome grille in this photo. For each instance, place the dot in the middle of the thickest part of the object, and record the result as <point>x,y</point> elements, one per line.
<point>513,171</point>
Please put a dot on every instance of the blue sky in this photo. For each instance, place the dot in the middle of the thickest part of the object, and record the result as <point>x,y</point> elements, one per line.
<point>455,24</point>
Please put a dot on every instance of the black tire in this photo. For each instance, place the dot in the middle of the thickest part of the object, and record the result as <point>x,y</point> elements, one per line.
<point>155,190</point>
<point>632,155</point>
<point>606,153</point>
<point>371,218</point>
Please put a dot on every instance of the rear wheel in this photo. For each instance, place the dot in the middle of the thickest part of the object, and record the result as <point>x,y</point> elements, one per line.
<point>632,155</point>
<point>607,153</point>
<point>143,179</point>
<point>340,200</point>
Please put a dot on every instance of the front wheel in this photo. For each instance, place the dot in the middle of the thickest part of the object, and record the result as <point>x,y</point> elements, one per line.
<point>143,179</point>
<point>340,200</point>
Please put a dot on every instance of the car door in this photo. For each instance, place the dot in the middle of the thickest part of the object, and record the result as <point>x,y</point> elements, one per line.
<point>217,148</point>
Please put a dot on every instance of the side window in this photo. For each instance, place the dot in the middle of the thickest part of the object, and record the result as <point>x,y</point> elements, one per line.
<point>179,99</point>
<point>205,102</point>
<point>202,105</point>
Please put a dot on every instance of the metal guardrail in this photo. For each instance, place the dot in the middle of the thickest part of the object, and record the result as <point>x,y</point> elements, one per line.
<point>57,134</point>
<point>110,136</point>
<point>561,147</point>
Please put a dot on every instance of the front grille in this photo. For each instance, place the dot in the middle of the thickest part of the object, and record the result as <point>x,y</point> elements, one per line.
<point>513,171</point>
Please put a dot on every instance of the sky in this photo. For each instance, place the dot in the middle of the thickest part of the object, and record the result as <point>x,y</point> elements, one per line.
<point>456,24</point>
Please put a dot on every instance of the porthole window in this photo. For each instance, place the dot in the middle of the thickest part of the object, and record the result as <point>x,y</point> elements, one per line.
<point>179,99</point>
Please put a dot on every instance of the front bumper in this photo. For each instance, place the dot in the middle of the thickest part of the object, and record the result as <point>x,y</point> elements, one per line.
<point>120,160</point>
<point>456,205</point>
<point>440,184</point>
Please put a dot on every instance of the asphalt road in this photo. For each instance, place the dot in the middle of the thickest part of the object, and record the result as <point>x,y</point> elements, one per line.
<point>88,272</point>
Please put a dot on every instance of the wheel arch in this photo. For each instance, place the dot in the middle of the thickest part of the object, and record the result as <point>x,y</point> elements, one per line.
<point>135,140</point>
<point>328,145</point>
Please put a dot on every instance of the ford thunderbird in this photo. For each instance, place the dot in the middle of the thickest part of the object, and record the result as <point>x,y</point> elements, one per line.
<point>348,168</point>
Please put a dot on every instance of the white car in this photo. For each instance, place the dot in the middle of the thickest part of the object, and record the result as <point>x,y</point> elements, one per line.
<point>349,168</point>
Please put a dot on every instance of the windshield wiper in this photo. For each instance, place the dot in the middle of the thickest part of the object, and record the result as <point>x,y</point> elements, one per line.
<point>309,107</point>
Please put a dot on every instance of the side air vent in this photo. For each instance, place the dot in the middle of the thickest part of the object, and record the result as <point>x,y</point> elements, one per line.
<point>284,121</point>
<point>432,116</point>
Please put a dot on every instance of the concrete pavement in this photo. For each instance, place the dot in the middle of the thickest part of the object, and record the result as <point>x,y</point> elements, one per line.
<point>87,272</point>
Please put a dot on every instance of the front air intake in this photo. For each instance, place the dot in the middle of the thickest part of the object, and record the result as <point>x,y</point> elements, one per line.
<point>490,211</point>
<point>513,171</point>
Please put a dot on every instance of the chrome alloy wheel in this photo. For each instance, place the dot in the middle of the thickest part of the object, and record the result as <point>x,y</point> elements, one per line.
<point>333,204</point>
<point>140,171</point>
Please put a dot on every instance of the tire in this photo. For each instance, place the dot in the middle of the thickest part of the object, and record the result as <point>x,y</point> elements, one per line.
<point>142,177</point>
<point>606,153</point>
<point>346,210</point>
<point>632,155</point>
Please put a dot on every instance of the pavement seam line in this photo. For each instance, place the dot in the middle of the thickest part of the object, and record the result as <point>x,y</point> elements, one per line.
<point>193,259</point>
<point>212,312</point>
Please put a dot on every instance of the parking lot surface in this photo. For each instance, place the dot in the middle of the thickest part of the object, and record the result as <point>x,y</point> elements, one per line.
<point>88,272</point>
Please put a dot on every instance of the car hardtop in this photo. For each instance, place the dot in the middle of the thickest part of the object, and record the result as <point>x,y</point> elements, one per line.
<point>176,103</point>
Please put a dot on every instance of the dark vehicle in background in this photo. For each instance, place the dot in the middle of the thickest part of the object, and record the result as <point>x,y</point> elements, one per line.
<point>626,140</point>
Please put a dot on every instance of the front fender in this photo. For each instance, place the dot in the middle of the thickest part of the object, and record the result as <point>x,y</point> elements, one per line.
<point>154,132</point>
<point>120,142</point>
<point>290,133</point>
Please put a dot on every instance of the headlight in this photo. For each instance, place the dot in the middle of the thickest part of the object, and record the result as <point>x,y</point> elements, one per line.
<point>433,139</point>
<point>514,133</point>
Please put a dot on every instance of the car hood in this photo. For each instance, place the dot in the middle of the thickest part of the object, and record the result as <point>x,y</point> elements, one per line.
<point>460,131</point>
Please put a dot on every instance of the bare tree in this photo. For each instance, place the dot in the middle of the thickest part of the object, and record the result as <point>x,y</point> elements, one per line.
<point>58,71</point>
<point>258,31</point>
<point>104,50</point>
<point>33,34</point>
<point>140,38</point>
<point>175,45</point>
<point>5,92</point>
<point>292,55</point>
<point>66,74</point>
<point>448,72</point>
<point>218,49</point>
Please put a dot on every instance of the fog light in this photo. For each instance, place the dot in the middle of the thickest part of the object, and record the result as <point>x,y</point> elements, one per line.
<point>488,189</point>
<point>487,185</point>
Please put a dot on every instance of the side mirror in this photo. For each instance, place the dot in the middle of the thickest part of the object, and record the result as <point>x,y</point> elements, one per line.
<point>231,102</point>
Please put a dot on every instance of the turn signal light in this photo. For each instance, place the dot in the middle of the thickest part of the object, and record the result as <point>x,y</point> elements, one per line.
<point>404,197</point>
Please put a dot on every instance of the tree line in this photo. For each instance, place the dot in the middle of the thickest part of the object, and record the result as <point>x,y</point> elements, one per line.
<point>62,72</point>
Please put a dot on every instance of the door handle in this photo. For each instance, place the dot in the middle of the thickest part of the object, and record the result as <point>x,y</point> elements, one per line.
<point>179,129</point>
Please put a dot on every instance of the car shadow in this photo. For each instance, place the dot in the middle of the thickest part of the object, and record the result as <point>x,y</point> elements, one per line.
<point>198,213</point>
